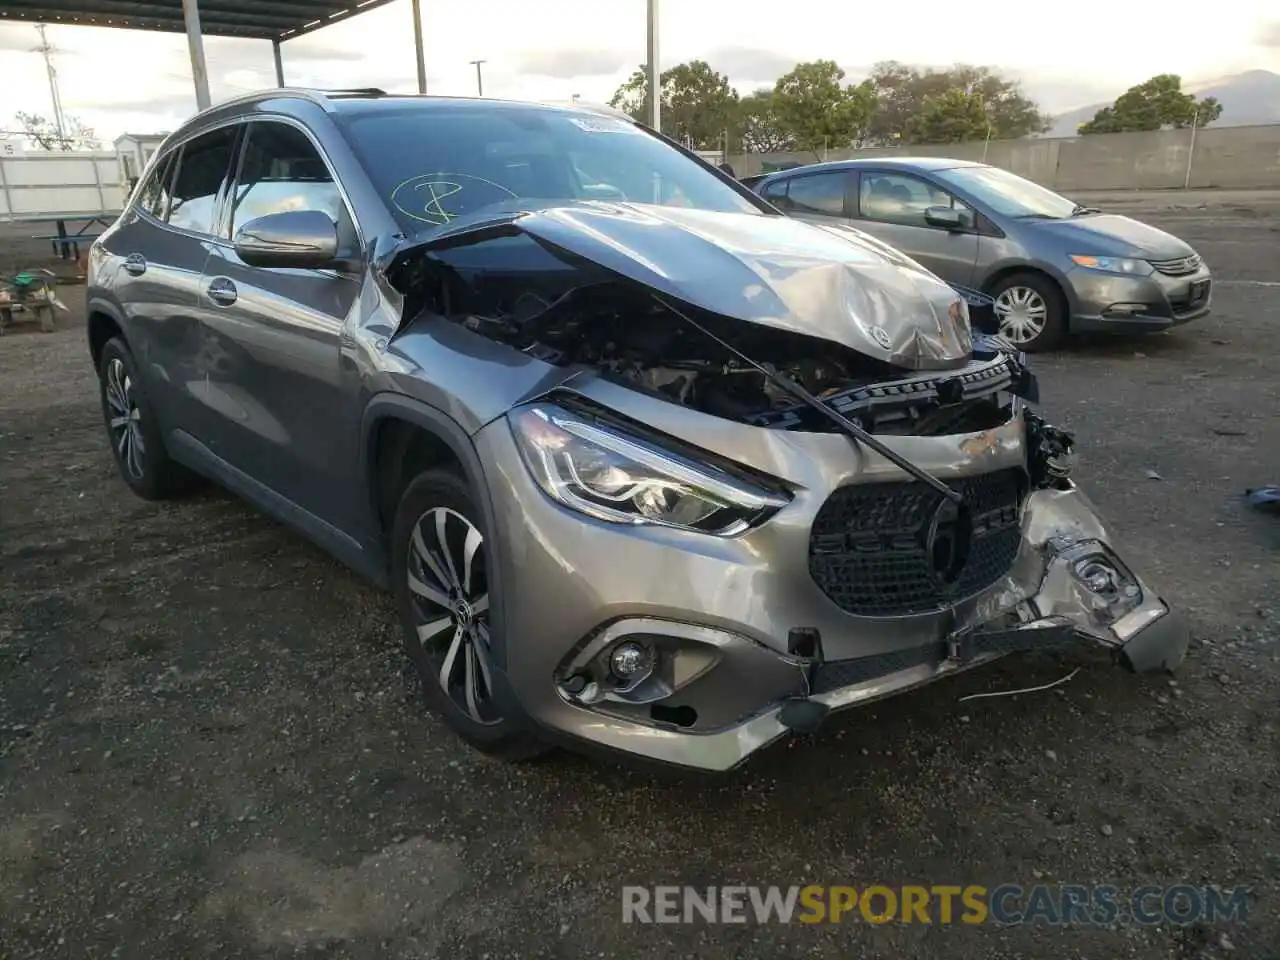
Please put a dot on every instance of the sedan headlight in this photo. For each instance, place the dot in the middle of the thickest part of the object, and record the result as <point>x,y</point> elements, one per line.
<point>1121,265</point>
<point>606,473</point>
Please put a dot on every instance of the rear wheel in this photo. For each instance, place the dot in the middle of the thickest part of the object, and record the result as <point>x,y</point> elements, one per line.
<point>132,430</point>
<point>1030,310</point>
<point>440,568</point>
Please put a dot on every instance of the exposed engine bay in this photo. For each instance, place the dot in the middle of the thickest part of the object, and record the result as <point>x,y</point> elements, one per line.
<point>627,333</point>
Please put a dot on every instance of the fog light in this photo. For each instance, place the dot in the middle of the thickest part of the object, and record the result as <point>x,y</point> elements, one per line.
<point>631,661</point>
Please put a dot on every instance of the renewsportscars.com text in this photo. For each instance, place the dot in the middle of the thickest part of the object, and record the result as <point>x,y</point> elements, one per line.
<point>1061,905</point>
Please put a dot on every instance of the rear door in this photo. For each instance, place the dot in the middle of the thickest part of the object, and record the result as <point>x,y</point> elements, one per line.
<point>282,400</point>
<point>824,196</point>
<point>891,205</point>
<point>161,248</point>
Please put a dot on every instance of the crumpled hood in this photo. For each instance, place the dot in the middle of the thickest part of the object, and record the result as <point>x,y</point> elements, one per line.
<point>833,283</point>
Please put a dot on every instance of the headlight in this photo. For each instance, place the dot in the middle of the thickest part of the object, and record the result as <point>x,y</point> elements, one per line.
<point>1123,265</point>
<point>607,474</point>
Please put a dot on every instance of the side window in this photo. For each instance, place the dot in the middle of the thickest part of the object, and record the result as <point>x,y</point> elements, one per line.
<point>280,171</point>
<point>154,198</point>
<point>202,167</point>
<point>902,198</point>
<point>821,193</point>
<point>776,193</point>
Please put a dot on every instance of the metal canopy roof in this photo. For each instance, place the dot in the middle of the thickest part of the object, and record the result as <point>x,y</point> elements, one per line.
<point>250,19</point>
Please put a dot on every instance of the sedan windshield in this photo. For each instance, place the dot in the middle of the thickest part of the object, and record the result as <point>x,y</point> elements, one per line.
<point>436,163</point>
<point>1008,194</point>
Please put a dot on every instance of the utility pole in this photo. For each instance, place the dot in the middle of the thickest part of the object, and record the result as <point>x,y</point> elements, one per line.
<point>479,76</point>
<point>58,119</point>
<point>653,69</point>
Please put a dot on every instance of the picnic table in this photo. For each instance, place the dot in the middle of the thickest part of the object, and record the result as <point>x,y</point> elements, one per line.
<point>66,244</point>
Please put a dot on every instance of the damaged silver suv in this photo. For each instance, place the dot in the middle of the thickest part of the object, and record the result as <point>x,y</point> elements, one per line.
<point>648,465</point>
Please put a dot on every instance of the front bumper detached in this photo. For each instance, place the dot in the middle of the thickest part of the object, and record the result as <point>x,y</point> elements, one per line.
<point>1066,589</point>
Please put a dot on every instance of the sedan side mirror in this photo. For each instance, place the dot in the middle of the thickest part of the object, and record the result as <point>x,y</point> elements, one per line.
<point>948,218</point>
<point>302,239</point>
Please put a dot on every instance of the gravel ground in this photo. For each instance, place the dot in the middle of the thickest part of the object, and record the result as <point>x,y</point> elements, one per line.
<point>208,747</point>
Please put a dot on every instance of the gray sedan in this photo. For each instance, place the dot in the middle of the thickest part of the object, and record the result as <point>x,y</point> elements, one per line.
<point>1052,265</point>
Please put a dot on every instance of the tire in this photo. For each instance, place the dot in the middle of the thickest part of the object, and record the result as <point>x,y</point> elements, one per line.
<point>132,430</point>
<point>444,622</point>
<point>1026,296</point>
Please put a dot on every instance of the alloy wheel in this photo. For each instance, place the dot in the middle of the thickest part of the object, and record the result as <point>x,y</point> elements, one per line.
<point>1022,313</point>
<point>449,590</point>
<point>125,421</point>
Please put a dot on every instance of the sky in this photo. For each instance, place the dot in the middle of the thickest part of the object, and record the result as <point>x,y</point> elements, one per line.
<point>118,81</point>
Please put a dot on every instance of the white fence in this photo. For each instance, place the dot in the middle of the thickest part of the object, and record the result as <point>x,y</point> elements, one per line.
<point>60,185</point>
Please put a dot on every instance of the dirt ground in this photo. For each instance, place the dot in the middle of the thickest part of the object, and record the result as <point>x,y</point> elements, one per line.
<point>208,747</point>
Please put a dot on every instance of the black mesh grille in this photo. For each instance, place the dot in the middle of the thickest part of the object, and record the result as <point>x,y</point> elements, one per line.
<point>870,548</point>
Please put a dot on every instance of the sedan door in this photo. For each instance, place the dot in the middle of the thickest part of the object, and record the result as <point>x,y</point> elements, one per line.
<point>891,206</point>
<point>284,396</point>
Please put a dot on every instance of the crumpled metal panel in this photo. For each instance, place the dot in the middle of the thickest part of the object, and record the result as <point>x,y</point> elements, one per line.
<point>834,284</point>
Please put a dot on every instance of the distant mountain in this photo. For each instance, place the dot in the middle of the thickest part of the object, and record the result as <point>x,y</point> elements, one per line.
<point>1247,98</point>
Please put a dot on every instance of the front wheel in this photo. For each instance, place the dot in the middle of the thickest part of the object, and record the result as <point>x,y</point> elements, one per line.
<point>440,567</point>
<point>1030,310</point>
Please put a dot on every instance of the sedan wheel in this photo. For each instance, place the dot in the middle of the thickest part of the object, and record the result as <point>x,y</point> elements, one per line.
<point>447,580</point>
<point>1023,314</point>
<point>125,421</point>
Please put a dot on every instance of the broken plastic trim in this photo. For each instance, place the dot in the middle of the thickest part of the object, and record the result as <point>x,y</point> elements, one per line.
<point>804,396</point>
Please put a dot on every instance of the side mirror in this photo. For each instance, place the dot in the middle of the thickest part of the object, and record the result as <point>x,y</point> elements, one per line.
<point>947,217</point>
<point>302,239</point>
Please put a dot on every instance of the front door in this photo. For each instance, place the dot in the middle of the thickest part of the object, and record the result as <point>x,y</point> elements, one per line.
<point>284,398</point>
<point>891,207</point>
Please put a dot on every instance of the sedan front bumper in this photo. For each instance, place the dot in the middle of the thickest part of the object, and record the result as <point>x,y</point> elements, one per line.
<point>1111,303</point>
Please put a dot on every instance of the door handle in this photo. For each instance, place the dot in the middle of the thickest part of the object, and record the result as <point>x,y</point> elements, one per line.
<point>222,292</point>
<point>135,264</point>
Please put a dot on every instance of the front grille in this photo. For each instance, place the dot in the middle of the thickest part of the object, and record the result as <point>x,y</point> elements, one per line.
<point>1180,267</point>
<point>871,552</point>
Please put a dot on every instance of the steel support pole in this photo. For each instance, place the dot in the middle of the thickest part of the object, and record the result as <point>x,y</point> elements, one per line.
<point>653,69</point>
<point>275,51</point>
<point>195,43</point>
<point>418,47</point>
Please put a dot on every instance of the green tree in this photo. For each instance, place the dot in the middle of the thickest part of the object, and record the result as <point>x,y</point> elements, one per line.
<point>952,116</point>
<point>758,125</point>
<point>698,104</point>
<point>901,94</point>
<point>41,132</point>
<point>1154,105</point>
<point>818,110</point>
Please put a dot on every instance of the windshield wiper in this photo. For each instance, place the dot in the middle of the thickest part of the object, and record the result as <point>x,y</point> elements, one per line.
<point>1036,216</point>
<point>1080,210</point>
<point>805,397</point>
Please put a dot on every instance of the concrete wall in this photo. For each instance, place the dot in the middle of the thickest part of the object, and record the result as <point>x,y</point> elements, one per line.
<point>1240,157</point>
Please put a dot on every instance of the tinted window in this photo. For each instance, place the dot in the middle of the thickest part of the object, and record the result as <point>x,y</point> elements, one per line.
<point>281,170</point>
<point>776,192</point>
<point>901,198</point>
<point>817,193</point>
<point>155,194</point>
<point>436,163</point>
<point>201,170</point>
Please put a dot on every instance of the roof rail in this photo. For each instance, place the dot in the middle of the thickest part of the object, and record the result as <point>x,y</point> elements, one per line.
<point>353,92</point>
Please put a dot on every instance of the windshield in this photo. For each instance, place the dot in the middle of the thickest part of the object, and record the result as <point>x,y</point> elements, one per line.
<point>1009,194</point>
<point>435,164</point>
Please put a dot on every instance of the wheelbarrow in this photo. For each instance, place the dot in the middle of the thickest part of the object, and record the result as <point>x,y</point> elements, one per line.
<point>28,295</point>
